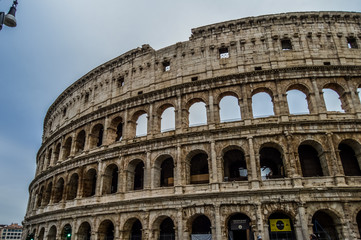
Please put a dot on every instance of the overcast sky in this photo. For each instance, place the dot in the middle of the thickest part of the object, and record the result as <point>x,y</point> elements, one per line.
<point>57,42</point>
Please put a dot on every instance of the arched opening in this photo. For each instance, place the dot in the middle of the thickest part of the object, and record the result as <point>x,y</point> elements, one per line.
<point>201,228</point>
<point>119,132</point>
<point>271,163</point>
<point>136,232</point>
<point>52,233</point>
<point>66,233</point>
<point>280,227</point>
<point>310,161</point>
<point>50,153</point>
<point>89,184</point>
<point>40,196</point>
<point>235,166</point>
<point>167,120</point>
<point>229,110</point>
<point>110,179</point>
<point>80,142</point>
<point>41,234</point>
<point>84,231</point>
<point>115,129</point>
<point>297,102</point>
<point>349,160</point>
<point>199,173</point>
<point>57,153</point>
<point>239,227</point>
<point>96,139</point>
<point>72,187</point>
<point>166,229</point>
<point>262,105</point>
<point>58,190</point>
<point>48,193</point>
<point>142,125</point>
<point>106,230</point>
<point>332,100</point>
<point>139,176</point>
<point>197,114</point>
<point>67,148</point>
<point>324,226</point>
<point>358,221</point>
<point>359,93</point>
<point>167,173</point>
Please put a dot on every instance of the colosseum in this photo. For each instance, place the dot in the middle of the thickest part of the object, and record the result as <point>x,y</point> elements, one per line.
<point>200,140</point>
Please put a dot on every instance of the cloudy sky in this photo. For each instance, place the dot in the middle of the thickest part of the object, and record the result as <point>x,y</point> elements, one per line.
<point>56,42</point>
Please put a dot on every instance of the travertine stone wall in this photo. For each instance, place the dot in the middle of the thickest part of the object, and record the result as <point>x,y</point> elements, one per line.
<point>271,54</point>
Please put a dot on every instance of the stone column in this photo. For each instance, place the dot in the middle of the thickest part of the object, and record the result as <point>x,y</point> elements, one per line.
<point>182,234</point>
<point>214,164</point>
<point>320,103</point>
<point>99,182</point>
<point>147,171</point>
<point>304,234</point>
<point>261,228</point>
<point>151,121</point>
<point>339,178</point>
<point>218,227</point>
<point>254,180</point>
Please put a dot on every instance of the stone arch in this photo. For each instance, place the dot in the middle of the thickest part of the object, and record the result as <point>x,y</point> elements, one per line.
<point>58,190</point>
<point>327,225</point>
<point>89,183</point>
<point>72,187</point>
<point>66,230</point>
<point>295,99</point>
<point>40,196</point>
<point>80,141</point>
<point>110,179</point>
<point>135,175</point>
<point>52,233</point>
<point>67,148</point>
<point>332,103</point>
<point>200,224</point>
<point>84,231</point>
<point>41,234</point>
<point>96,136</point>
<point>198,167</point>
<point>164,171</point>
<point>50,153</point>
<point>238,225</point>
<point>166,113</point>
<point>197,112</point>
<point>234,164</point>
<point>271,161</point>
<point>106,230</point>
<point>131,229</point>
<point>57,153</point>
<point>229,109</point>
<point>312,159</point>
<point>262,103</point>
<point>164,227</point>
<point>48,192</point>
<point>350,156</point>
<point>280,220</point>
<point>115,130</point>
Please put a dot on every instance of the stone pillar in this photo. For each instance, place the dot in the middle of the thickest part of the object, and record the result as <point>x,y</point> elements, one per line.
<point>335,165</point>
<point>214,164</point>
<point>72,147</point>
<point>217,216</point>
<point>179,179</point>
<point>261,229</point>
<point>178,115</point>
<point>126,126</point>
<point>182,234</point>
<point>151,121</point>
<point>254,180</point>
<point>302,222</point>
<point>320,103</point>
<point>245,103</point>
<point>99,182</point>
<point>147,171</point>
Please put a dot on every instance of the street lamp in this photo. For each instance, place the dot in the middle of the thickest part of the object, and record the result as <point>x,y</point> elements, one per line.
<point>9,19</point>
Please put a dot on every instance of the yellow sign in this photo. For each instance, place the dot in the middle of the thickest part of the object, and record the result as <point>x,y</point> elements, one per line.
<point>280,225</point>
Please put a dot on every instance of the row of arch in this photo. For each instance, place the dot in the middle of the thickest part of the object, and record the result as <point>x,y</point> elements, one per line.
<point>271,164</point>
<point>325,224</point>
<point>197,110</point>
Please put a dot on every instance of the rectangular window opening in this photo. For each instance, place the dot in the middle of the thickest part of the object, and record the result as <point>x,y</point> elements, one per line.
<point>351,42</point>
<point>166,66</point>
<point>326,63</point>
<point>194,79</point>
<point>286,44</point>
<point>140,92</point>
<point>223,53</point>
<point>120,82</point>
<point>257,68</point>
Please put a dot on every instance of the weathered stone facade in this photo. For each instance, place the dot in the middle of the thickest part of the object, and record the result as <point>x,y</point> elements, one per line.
<point>98,177</point>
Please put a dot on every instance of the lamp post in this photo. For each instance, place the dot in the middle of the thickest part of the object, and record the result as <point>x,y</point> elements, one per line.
<point>9,19</point>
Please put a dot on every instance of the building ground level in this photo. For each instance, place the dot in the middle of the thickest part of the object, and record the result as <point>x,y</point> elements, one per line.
<point>332,215</point>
